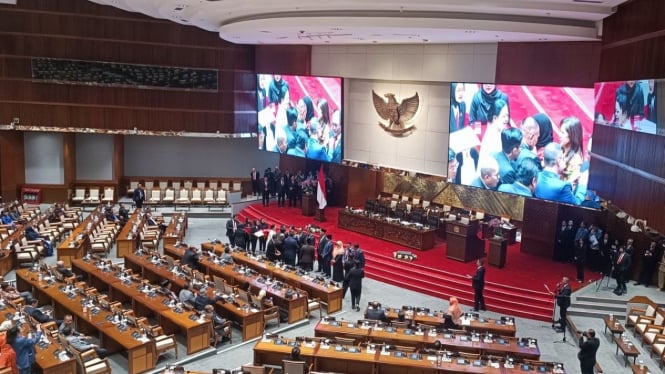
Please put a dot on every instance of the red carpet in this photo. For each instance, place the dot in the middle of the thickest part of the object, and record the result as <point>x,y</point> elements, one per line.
<point>517,289</point>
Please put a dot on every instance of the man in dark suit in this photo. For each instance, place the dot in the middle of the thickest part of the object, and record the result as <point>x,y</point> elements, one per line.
<point>255,177</point>
<point>327,255</point>
<point>375,312</point>
<point>549,186</point>
<point>139,196</point>
<point>306,255</point>
<point>488,178</point>
<point>319,249</point>
<point>621,268</point>
<point>191,258</point>
<point>563,292</point>
<point>290,249</point>
<point>587,353</point>
<point>511,140</point>
<point>231,228</point>
<point>37,313</point>
<point>355,279</point>
<point>282,187</point>
<point>478,283</point>
<point>265,191</point>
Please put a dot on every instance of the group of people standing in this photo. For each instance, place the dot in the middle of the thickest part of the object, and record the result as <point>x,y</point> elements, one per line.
<point>589,247</point>
<point>287,188</point>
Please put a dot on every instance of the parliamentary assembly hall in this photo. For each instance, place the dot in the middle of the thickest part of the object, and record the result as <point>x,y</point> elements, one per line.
<point>362,187</point>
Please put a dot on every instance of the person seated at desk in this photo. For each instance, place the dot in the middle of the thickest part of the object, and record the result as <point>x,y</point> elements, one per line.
<point>376,312</point>
<point>31,235</point>
<point>9,292</point>
<point>165,289</point>
<point>295,356</point>
<point>201,300</point>
<point>110,215</point>
<point>123,212</point>
<point>6,219</point>
<point>81,343</point>
<point>68,322</point>
<point>226,256</point>
<point>217,320</point>
<point>191,258</point>
<point>66,272</point>
<point>32,310</point>
<point>453,314</point>
<point>432,349</point>
<point>186,295</point>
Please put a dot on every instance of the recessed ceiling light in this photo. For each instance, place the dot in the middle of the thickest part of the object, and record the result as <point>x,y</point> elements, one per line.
<point>374,41</point>
<point>336,28</point>
<point>266,32</point>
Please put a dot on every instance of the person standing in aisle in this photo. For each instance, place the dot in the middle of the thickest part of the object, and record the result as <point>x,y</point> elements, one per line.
<point>478,283</point>
<point>355,278</point>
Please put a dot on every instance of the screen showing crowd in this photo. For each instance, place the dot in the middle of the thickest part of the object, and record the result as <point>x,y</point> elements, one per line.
<point>300,116</point>
<point>630,105</point>
<point>527,140</point>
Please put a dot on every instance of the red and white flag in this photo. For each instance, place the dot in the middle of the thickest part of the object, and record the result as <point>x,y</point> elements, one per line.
<point>321,189</point>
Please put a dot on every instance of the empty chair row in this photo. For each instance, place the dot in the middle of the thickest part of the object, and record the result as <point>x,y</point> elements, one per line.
<point>162,185</point>
<point>185,196</point>
<point>90,195</point>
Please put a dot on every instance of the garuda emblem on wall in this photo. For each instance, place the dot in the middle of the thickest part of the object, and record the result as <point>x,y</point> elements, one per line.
<point>398,115</point>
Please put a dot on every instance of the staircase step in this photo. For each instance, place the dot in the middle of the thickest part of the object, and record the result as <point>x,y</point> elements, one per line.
<point>599,299</point>
<point>594,313</point>
<point>610,308</point>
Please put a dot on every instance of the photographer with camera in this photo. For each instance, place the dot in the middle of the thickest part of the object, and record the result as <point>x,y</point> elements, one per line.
<point>587,353</point>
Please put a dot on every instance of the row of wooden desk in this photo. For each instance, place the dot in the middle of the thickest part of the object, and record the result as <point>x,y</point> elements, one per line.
<point>47,357</point>
<point>361,361</point>
<point>329,294</point>
<point>412,338</point>
<point>250,319</point>
<point>196,332</point>
<point>437,319</point>
<point>114,338</point>
<point>77,244</point>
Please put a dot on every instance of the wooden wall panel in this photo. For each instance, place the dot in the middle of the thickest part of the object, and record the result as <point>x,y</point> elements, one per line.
<point>362,183</point>
<point>283,59</point>
<point>627,169</point>
<point>573,64</point>
<point>12,167</point>
<point>633,40</point>
<point>539,227</point>
<point>82,30</point>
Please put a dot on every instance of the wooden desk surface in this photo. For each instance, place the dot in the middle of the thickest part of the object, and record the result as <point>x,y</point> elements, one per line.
<point>413,338</point>
<point>331,295</point>
<point>272,351</point>
<point>250,319</point>
<point>175,231</point>
<point>46,356</point>
<point>482,325</point>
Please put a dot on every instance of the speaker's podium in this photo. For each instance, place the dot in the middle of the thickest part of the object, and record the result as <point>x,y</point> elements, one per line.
<point>463,242</point>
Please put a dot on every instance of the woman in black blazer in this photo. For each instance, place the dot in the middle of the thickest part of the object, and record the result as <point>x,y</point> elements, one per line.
<point>354,277</point>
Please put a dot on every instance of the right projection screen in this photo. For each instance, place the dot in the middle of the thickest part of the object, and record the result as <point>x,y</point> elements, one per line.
<point>532,141</point>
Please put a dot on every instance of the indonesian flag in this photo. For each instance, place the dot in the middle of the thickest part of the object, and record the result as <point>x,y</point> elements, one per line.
<point>321,189</point>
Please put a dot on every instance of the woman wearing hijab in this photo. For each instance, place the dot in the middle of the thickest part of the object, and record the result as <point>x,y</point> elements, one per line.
<point>453,314</point>
<point>545,137</point>
<point>457,106</point>
<point>482,105</point>
<point>338,264</point>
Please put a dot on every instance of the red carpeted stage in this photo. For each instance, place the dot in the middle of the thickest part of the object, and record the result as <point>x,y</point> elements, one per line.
<point>517,289</point>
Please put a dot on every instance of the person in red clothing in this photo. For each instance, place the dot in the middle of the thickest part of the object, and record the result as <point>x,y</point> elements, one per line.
<point>7,354</point>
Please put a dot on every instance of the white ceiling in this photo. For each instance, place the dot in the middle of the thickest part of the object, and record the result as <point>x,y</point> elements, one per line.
<point>385,22</point>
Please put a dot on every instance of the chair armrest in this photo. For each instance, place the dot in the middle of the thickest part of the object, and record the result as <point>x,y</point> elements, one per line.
<point>642,319</point>
<point>637,311</point>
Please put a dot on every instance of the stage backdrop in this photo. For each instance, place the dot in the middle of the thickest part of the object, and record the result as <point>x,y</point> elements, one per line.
<point>423,150</point>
